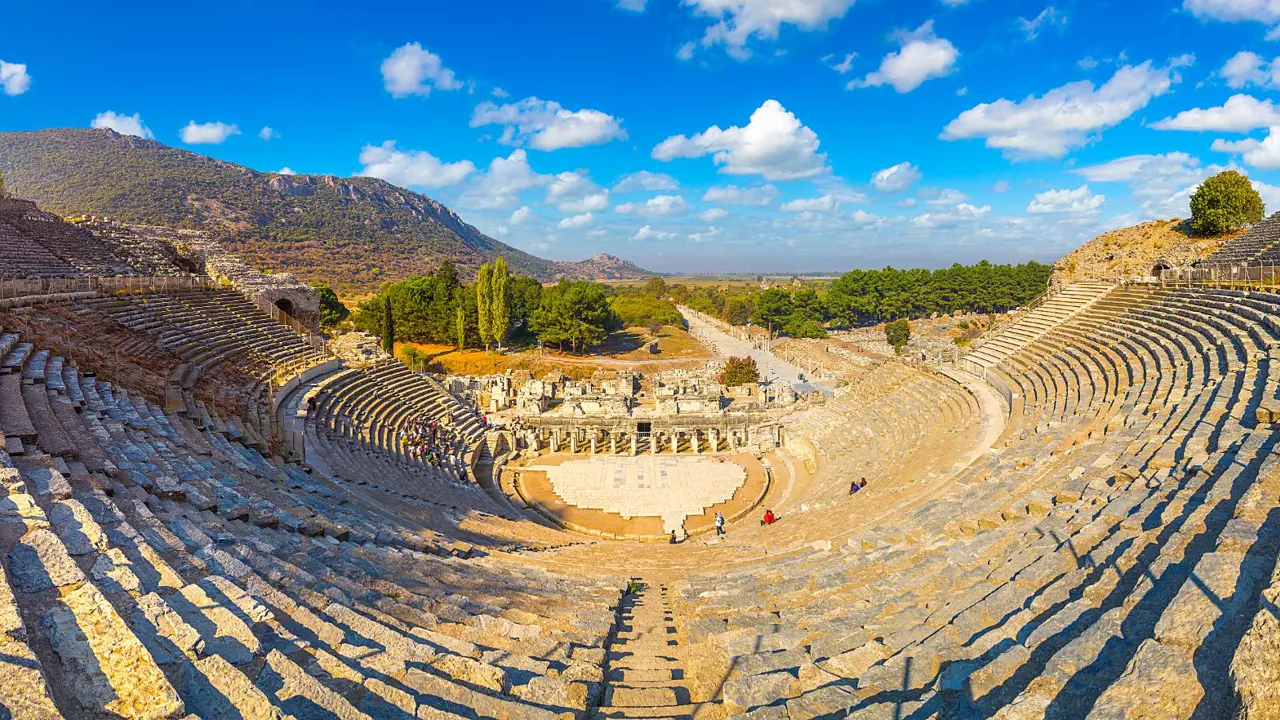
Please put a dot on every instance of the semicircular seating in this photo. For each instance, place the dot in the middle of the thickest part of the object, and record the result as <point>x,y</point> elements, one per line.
<point>1107,549</point>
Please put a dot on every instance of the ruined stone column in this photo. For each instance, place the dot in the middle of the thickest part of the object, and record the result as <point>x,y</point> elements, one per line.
<point>633,444</point>
<point>613,444</point>
<point>697,449</point>
<point>593,442</point>
<point>653,443</point>
<point>573,441</point>
<point>555,441</point>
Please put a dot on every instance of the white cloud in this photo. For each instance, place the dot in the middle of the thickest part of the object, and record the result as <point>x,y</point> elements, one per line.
<point>574,192</point>
<point>14,79</point>
<point>268,133</point>
<point>645,180</point>
<point>1001,186</point>
<point>1065,117</point>
<point>947,196</point>
<point>962,213</point>
<point>123,124</point>
<point>897,178</point>
<point>705,235</point>
<point>738,21</point>
<point>1263,11</point>
<point>864,218</point>
<point>520,216</point>
<point>500,186</point>
<point>954,3</point>
<point>686,51</point>
<point>921,56</point>
<point>1241,113</point>
<point>1080,200</point>
<point>1161,183</point>
<point>844,66</point>
<point>632,5</point>
<point>660,206</point>
<point>577,221</point>
<point>713,214</point>
<point>210,133</point>
<point>286,170</point>
<point>648,232</point>
<point>1247,68</point>
<point>825,203</point>
<point>733,195</point>
<point>411,168</point>
<point>1262,154</point>
<point>1048,17</point>
<point>545,125</point>
<point>410,70</point>
<point>773,144</point>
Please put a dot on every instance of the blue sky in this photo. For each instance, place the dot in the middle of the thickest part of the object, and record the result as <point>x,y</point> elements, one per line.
<point>697,135</point>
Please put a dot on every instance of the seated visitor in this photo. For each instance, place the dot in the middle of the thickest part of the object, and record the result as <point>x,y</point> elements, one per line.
<point>769,518</point>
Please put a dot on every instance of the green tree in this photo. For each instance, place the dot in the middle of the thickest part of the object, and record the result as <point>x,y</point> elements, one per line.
<point>499,318</point>
<point>460,327</point>
<point>2,191</point>
<point>573,312</point>
<point>524,295</point>
<point>897,333</point>
<point>739,371</point>
<point>1225,202</point>
<point>332,311</point>
<point>484,303</point>
<point>736,311</point>
<point>656,287</point>
<point>388,329</point>
<point>773,309</point>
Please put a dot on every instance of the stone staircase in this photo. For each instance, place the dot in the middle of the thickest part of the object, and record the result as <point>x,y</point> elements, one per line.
<point>645,660</point>
<point>1067,303</point>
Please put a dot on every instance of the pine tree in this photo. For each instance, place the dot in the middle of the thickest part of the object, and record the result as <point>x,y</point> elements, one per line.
<point>460,326</point>
<point>499,320</point>
<point>484,302</point>
<point>388,329</point>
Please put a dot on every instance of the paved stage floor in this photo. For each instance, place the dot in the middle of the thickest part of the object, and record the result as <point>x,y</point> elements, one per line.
<point>672,488</point>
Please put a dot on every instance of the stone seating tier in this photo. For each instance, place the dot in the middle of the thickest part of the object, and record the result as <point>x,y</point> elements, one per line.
<point>195,576</point>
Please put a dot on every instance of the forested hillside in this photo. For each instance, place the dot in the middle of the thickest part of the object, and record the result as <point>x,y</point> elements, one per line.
<point>353,233</point>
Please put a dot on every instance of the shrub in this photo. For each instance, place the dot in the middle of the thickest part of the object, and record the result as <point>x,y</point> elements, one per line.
<point>897,333</point>
<point>645,311</point>
<point>798,327</point>
<point>1225,202</point>
<point>332,311</point>
<point>739,371</point>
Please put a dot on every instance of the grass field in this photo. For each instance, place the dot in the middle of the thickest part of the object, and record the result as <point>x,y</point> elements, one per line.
<point>622,350</point>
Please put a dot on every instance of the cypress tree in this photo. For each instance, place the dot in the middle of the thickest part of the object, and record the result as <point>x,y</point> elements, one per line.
<point>499,321</point>
<point>484,303</point>
<point>388,328</point>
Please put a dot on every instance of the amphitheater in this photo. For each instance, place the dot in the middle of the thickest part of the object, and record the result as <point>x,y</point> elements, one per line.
<point>208,515</point>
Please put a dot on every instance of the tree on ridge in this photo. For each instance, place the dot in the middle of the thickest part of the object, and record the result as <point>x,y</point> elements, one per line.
<point>1225,202</point>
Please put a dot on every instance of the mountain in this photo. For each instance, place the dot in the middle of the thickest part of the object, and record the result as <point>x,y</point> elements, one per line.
<point>353,233</point>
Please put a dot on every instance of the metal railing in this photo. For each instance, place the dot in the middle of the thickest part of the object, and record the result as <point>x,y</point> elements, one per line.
<point>1255,274</point>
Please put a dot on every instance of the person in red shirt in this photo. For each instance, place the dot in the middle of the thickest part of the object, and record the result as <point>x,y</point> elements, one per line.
<point>769,518</point>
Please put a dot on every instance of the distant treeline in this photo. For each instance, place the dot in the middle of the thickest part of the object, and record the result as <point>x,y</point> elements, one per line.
<point>867,297</point>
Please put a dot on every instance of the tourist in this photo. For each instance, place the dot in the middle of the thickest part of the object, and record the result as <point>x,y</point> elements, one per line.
<point>855,487</point>
<point>769,518</point>
<point>719,524</point>
<point>673,540</point>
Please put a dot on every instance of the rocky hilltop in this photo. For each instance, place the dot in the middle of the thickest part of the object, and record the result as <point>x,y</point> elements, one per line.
<point>1133,251</point>
<point>354,233</point>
